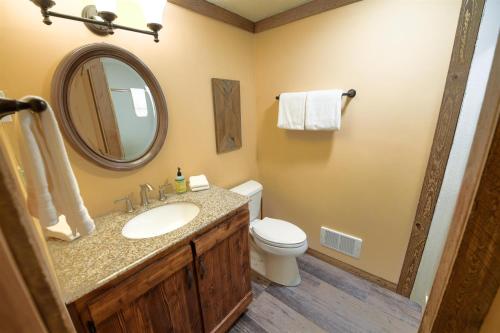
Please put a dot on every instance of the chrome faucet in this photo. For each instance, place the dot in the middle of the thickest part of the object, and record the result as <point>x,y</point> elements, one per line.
<point>145,188</point>
<point>129,208</point>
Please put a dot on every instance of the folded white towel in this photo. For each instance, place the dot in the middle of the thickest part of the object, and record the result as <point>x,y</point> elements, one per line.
<point>51,186</point>
<point>200,188</point>
<point>292,109</point>
<point>198,183</point>
<point>323,110</point>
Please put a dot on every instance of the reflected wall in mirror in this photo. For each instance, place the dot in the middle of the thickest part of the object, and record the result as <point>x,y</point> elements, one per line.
<point>110,106</point>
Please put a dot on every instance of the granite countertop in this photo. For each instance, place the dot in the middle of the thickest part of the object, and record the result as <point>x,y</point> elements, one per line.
<point>89,262</point>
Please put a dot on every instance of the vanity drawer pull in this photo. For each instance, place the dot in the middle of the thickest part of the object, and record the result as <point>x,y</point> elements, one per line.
<point>202,267</point>
<point>189,277</point>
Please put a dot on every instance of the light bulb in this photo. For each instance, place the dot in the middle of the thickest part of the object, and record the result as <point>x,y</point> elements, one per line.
<point>153,11</point>
<point>108,6</point>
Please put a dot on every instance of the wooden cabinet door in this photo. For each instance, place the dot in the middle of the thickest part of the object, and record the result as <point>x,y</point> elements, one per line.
<point>161,298</point>
<point>223,273</point>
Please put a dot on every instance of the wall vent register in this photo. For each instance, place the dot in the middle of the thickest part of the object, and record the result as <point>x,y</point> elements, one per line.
<point>341,242</point>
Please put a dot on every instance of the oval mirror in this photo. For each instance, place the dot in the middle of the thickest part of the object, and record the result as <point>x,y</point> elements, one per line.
<point>110,106</point>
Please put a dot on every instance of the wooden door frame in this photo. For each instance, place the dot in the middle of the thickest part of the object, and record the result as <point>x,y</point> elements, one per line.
<point>468,276</point>
<point>458,72</point>
<point>16,298</point>
<point>22,244</point>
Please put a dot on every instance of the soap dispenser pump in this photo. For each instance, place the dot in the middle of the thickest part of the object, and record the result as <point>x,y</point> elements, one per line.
<point>180,182</point>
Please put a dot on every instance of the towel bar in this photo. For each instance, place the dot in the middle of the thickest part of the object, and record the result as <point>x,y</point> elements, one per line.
<point>10,106</point>
<point>350,93</point>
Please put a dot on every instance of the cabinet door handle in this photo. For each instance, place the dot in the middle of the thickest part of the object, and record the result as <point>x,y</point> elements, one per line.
<point>189,277</point>
<point>91,327</point>
<point>202,267</point>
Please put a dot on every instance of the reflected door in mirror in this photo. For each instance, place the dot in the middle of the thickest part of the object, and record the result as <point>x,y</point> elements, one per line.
<point>92,110</point>
<point>112,109</point>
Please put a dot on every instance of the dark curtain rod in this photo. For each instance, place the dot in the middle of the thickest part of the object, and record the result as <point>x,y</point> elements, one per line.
<point>350,93</point>
<point>10,106</point>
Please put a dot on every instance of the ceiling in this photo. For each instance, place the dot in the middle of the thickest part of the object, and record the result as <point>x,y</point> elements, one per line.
<point>256,10</point>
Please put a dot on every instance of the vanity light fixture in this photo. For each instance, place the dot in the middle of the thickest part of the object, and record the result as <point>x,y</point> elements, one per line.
<point>99,17</point>
<point>153,13</point>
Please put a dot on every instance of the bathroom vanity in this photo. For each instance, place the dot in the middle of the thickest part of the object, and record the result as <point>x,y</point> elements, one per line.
<point>193,279</point>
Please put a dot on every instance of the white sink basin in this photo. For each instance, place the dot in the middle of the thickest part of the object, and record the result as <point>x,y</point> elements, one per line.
<point>160,220</point>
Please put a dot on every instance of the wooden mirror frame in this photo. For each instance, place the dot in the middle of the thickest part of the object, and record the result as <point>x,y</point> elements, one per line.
<point>60,86</point>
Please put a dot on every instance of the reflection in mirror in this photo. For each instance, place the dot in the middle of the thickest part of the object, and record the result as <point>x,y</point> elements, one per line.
<point>112,109</point>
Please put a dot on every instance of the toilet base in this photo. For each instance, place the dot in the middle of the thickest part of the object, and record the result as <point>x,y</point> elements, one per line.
<point>282,270</point>
<point>279,269</point>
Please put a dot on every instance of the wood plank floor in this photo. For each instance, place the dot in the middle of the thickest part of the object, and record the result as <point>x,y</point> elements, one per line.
<point>328,300</point>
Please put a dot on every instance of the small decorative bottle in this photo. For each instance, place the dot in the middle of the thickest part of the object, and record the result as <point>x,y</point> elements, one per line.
<point>180,182</point>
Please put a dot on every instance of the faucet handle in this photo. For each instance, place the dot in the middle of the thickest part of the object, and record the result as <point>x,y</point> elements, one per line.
<point>165,185</point>
<point>146,187</point>
<point>128,203</point>
<point>162,190</point>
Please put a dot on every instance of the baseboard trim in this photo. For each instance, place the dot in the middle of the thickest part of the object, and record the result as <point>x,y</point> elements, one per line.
<point>353,270</point>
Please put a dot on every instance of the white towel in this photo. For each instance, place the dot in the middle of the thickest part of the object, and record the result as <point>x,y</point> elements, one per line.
<point>323,110</point>
<point>61,231</point>
<point>50,183</point>
<point>198,183</point>
<point>200,188</point>
<point>292,109</point>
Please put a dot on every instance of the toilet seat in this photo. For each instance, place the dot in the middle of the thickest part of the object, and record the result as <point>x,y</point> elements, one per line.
<point>278,233</point>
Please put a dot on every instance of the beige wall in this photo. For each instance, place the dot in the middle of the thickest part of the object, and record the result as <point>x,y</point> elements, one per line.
<point>192,50</point>
<point>491,323</point>
<point>365,179</point>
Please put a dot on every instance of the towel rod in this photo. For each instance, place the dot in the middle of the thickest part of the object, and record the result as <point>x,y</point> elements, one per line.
<point>350,93</point>
<point>10,106</point>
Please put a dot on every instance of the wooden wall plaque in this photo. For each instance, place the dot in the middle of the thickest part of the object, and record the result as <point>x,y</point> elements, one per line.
<point>227,114</point>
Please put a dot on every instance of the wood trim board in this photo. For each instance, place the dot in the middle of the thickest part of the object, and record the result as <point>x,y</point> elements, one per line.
<point>16,298</point>
<point>308,9</point>
<point>209,9</point>
<point>456,81</point>
<point>468,276</point>
<point>353,270</point>
<point>294,14</point>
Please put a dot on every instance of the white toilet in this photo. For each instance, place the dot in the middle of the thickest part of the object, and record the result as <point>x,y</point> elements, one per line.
<point>275,244</point>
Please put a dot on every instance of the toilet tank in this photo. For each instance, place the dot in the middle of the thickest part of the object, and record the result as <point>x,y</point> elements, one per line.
<point>253,190</point>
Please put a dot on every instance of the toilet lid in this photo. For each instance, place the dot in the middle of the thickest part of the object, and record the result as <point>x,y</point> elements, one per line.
<point>279,232</point>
